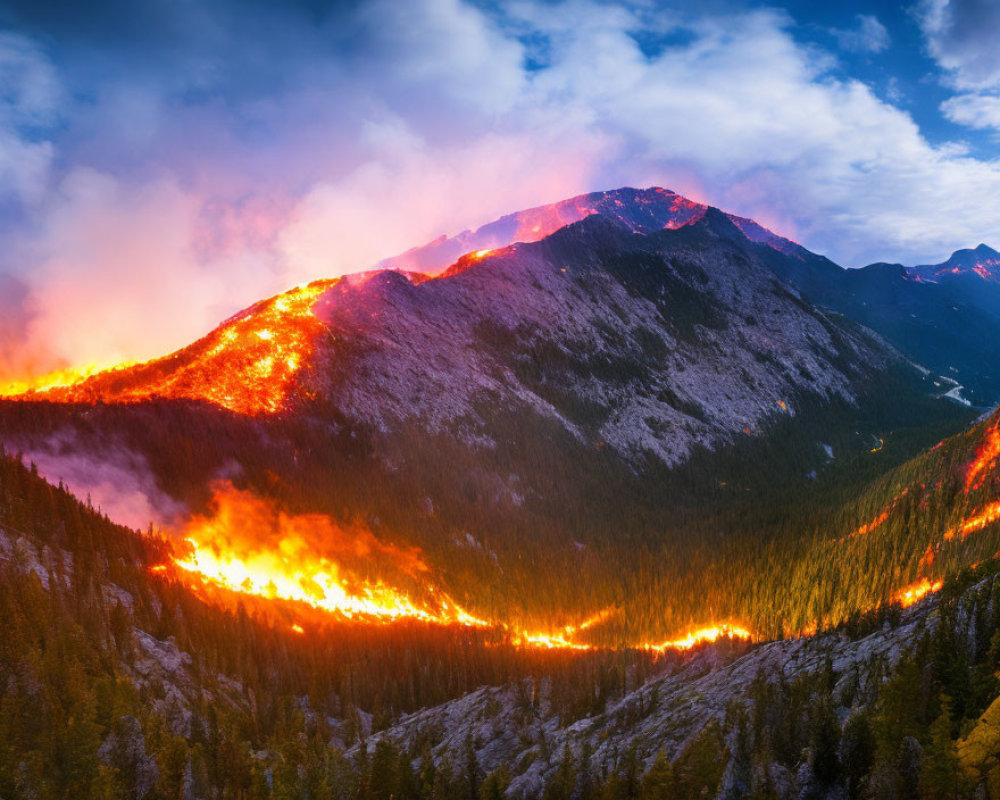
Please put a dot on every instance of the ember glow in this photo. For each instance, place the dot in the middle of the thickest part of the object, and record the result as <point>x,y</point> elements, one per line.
<point>702,636</point>
<point>246,365</point>
<point>249,547</point>
<point>909,595</point>
<point>878,520</point>
<point>984,517</point>
<point>53,380</point>
<point>986,458</point>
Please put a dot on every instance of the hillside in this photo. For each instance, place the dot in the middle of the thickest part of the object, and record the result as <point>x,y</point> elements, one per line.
<point>122,682</point>
<point>548,410</point>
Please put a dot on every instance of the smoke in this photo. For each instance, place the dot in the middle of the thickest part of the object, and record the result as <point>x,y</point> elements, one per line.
<point>119,485</point>
<point>163,166</point>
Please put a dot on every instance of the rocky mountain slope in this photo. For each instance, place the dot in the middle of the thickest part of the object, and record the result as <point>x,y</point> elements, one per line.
<point>641,210</point>
<point>982,261</point>
<point>943,316</point>
<point>519,726</point>
<point>951,326</point>
<point>522,418</point>
<point>121,681</point>
<point>652,344</point>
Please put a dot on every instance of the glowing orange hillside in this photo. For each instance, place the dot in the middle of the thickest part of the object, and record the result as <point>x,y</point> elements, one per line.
<point>986,458</point>
<point>245,365</point>
<point>247,546</point>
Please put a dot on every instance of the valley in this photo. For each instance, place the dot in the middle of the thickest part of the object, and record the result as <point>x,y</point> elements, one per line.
<point>573,510</point>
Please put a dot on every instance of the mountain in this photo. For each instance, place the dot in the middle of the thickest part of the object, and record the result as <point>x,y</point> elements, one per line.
<point>536,413</point>
<point>650,343</point>
<point>475,534</point>
<point>982,261</point>
<point>641,210</point>
<point>945,317</point>
<point>951,326</point>
<point>121,681</point>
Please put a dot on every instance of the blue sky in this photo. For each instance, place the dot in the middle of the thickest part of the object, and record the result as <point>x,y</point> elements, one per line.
<point>165,163</point>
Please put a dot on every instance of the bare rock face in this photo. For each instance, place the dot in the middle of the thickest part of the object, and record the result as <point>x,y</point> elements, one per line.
<point>649,344</point>
<point>509,728</point>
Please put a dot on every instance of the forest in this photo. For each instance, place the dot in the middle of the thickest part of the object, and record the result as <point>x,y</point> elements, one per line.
<point>255,710</point>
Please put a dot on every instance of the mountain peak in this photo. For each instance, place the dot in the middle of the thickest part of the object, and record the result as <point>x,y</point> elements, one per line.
<point>641,210</point>
<point>982,260</point>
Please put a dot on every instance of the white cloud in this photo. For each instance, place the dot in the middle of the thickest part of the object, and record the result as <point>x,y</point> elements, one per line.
<point>980,111</point>
<point>29,97</point>
<point>428,122</point>
<point>868,36</point>
<point>760,125</point>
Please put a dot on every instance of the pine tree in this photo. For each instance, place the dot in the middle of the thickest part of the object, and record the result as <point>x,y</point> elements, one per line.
<point>658,783</point>
<point>857,749</point>
<point>940,775</point>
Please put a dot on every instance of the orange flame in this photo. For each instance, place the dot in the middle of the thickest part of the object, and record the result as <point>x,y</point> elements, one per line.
<point>986,457</point>
<point>246,365</point>
<point>701,636</point>
<point>909,595</point>
<point>982,518</point>
<point>881,519</point>
<point>248,547</point>
<point>55,380</point>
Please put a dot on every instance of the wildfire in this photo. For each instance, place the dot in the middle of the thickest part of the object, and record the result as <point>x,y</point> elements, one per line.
<point>701,636</point>
<point>246,365</point>
<point>985,516</point>
<point>248,546</point>
<point>909,595</point>
<point>986,457</point>
<point>868,527</point>
<point>54,380</point>
<point>880,519</point>
<point>564,639</point>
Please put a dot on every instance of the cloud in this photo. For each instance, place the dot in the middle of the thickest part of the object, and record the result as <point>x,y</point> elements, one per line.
<point>122,271</point>
<point>29,100</point>
<point>980,111</point>
<point>961,36</point>
<point>181,162</point>
<point>869,36</point>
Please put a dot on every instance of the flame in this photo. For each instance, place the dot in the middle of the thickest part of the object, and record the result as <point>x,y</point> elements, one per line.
<point>701,636</point>
<point>982,518</point>
<point>808,630</point>
<point>480,254</point>
<point>56,380</point>
<point>913,593</point>
<point>248,546</point>
<point>868,527</point>
<point>246,365</point>
<point>986,457</point>
<point>563,639</point>
<point>880,519</point>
